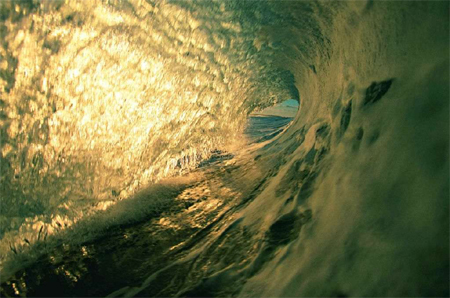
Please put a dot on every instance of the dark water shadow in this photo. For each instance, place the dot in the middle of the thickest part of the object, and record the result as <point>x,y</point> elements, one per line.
<point>156,227</point>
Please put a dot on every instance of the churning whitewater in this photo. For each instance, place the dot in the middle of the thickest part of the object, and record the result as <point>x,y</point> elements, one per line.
<point>137,157</point>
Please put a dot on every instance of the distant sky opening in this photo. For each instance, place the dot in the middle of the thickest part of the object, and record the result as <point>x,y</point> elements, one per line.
<point>287,108</point>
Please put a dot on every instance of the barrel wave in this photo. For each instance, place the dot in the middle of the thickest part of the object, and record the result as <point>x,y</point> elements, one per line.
<point>131,164</point>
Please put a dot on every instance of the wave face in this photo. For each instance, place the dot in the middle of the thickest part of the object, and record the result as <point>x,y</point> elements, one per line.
<point>103,97</point>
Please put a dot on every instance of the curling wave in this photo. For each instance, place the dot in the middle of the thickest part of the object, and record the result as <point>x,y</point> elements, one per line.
<point>102,97</point>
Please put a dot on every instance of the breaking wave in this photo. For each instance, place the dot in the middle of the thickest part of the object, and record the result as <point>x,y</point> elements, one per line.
<point>103,98</point>
<point>106,96</point>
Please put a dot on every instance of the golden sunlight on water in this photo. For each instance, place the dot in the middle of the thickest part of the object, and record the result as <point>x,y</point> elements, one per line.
<point>103,97</point>
<point>147,148</point>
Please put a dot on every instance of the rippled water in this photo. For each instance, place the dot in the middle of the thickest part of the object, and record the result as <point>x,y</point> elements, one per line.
<point>129,164</point>
<point>107,96</point>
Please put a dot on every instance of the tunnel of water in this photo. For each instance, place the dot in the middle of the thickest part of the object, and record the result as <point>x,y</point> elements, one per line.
<point>224,148</point>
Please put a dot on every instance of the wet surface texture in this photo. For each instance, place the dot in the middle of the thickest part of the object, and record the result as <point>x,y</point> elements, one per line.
<point>376,91</point>
<point>134,163</point>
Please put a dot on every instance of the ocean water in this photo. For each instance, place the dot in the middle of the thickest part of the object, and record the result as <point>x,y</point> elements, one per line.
<point>136,159</point>
<point>262,128</point>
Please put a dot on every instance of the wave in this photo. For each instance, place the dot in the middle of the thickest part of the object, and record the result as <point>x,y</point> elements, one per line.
<point>104,97</point>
